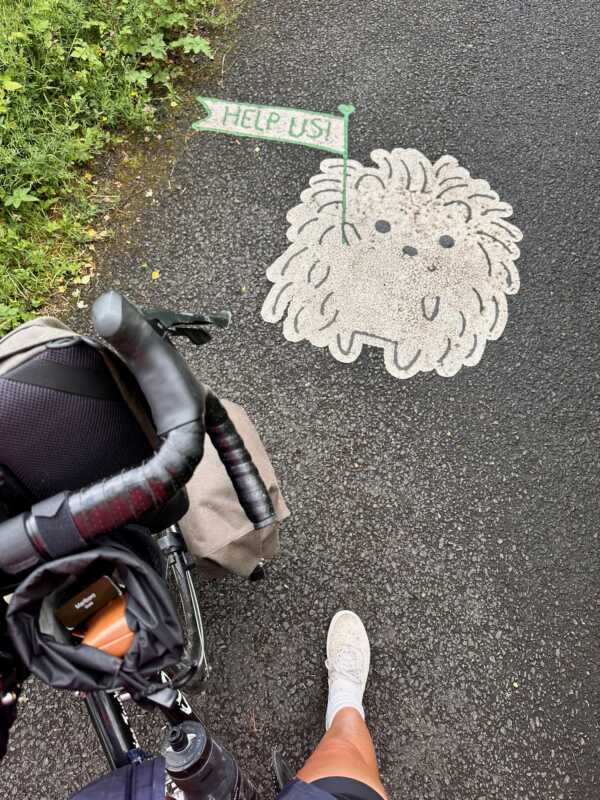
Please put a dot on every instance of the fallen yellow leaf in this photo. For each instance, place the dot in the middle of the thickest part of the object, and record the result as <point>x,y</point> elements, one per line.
<point>155,274</point>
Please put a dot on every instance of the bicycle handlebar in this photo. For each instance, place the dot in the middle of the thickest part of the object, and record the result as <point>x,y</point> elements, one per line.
<point>174,395</point>
<point>182,410</point>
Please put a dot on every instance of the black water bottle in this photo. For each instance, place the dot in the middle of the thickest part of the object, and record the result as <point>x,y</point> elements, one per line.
<point>202,768</point>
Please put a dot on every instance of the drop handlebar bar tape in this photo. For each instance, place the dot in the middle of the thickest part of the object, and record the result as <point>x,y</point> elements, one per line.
<point>247,482</point>
<point>174,395</point>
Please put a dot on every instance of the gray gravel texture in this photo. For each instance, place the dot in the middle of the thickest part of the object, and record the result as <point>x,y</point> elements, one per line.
<point>457,516</point>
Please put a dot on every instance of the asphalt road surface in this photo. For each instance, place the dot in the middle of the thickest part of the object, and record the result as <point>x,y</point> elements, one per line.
<point>458,516</point>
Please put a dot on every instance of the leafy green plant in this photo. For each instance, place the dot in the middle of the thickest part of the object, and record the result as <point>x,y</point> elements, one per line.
<point>73,73</point>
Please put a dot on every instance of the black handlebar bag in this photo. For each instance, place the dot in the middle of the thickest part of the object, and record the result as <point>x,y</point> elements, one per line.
<point>51,653</point>
<point>63,421</point>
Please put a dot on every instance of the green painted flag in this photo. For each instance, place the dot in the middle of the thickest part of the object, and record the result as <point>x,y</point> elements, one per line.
<point>290,125</point>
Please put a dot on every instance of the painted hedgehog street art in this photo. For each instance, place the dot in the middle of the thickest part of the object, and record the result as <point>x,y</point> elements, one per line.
<point>412,257</point>
<point>421,267</point>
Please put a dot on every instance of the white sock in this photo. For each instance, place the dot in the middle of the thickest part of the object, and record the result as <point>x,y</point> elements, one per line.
<point>343,693</point>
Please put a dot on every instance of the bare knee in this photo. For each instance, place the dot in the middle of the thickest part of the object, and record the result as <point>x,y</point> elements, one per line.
<point>337,757</point>
<point>337,750</point>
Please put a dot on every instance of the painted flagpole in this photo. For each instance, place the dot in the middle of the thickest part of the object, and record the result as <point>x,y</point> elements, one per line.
<point>345,111</point>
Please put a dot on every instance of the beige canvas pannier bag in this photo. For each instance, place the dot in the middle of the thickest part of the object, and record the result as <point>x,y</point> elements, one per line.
<point>215,528</point>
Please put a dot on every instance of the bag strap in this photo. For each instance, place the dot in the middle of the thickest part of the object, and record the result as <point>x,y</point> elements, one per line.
<point>31,338</point>
<point>65,378</point>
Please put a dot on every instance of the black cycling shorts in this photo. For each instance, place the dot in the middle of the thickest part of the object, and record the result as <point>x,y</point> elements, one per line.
<point>326,788</point>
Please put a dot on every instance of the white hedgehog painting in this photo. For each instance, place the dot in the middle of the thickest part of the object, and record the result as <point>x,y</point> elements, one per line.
<point>421,267</point>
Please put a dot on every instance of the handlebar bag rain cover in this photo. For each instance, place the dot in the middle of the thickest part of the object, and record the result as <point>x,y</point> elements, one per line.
<point>12,675</point>
<point>49,651</point>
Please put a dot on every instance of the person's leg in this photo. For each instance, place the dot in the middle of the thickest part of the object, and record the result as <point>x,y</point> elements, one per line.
<point>346,750</point>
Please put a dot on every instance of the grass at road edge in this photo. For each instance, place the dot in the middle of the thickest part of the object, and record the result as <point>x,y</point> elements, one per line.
<point>74,74</point>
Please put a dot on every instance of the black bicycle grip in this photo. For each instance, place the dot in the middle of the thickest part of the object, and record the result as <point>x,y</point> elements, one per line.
<point>174,395</point>
<point>245,477</point>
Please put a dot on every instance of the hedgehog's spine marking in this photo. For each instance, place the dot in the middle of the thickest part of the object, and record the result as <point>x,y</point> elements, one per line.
<point>323,191</point>
<point>325,232</point>
<point>276,303</point>
<point>495,239</point>
<point>485,196</point>
<point>376,177</point>
<point>461,203</point>
<point>331,321</point>
<point>481,305</point>
<point>311,270</point>
<point>389,163</point>
<point>487,258</point>
<point>450,189</point>
<point>327,296</point>
<point>498,209</point>
<point>291,258</point>
<point>354,228</point>
<point>446,351</point>
<point>496,313</point>
<point>322,281</point>
<point>408,176</point>
<point>511,233</point>
<point>304,224</point>
<point>331,203</point>
<point>324,180</point>
<point>424,189</point>
<point>450,163</point>
<point>300,310</point>
<point>472,350</point>
<point>450,178</point>
<point>411,363</point>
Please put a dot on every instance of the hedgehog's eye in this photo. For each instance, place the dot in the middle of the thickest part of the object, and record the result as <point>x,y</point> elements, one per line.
<point>382,226</point>
<point>446,241</point>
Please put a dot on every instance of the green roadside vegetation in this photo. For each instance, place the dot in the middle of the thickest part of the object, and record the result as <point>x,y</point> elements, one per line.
<point>75,74</point>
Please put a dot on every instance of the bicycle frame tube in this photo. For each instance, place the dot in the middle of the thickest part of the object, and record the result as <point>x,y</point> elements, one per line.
<point>112,727</point>
<point>111,723</point>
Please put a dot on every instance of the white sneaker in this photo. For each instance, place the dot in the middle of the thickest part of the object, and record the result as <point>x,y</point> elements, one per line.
<point>348,660</point>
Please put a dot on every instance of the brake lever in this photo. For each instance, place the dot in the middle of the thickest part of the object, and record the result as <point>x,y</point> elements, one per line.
<point>174,323</point>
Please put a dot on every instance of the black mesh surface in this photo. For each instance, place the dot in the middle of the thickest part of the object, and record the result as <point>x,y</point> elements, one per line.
<point>81,356</point>
<point>53,440</point>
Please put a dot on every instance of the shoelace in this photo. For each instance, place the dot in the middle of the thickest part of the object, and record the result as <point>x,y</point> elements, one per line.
<point>347,664</point>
